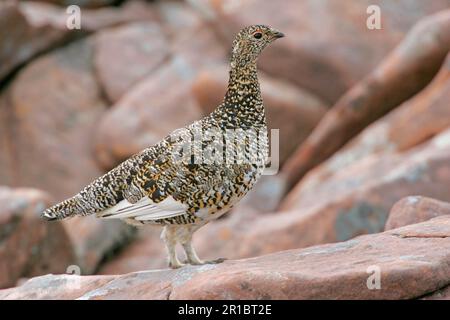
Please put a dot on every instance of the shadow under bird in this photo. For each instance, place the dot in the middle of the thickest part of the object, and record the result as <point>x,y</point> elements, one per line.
<point>155,187</point>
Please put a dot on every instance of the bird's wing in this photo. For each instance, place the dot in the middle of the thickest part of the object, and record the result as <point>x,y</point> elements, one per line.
<point>144,210</point>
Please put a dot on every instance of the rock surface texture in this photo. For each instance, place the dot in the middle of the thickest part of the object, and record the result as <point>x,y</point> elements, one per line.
<point>343,270</point>
<point>364,147</point>
<point>28,246</point>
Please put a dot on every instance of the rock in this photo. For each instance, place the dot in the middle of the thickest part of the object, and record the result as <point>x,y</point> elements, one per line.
<point>49,114</point>
<point>94,240</point>
<point>416,120</point>
<point>293,111</point>
<point>91,19</point>
<point>47,120</point>
<point>198,49</point>
<point>328,47</point>
<point>358,199</point>
<point>415,254</point>
<point>23,36</point>
<point>146,113</point>
<point>126,54</point>
<point>64,287</point>
<point>354,201</point>
<point>81,3</point>
<point>29,246</point>
<point>415,209</point>
<point>145,252</point>
<point>178,15</point>
<point>403,73</point>
<point>441,294</point>
<point>30,28</point>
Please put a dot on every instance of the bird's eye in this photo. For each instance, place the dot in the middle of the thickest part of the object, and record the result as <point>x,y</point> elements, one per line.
<point>257,35</point>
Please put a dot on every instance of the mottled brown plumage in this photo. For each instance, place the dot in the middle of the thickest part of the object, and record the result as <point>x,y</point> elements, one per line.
<point>196,173</point>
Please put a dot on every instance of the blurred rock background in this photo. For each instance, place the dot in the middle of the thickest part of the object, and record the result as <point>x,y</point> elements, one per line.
<point>364,119</point>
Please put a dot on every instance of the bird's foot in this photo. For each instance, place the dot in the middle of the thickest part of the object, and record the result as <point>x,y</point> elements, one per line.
<point>176,265</point>
<point>200,262</point>
<point>215,261</point>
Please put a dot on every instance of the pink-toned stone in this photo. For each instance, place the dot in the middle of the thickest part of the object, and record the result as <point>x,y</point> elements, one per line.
<point>22,36</point>
<point>412,123</point>
<point>29,246</point>
<point>49,115</point>
<point>47,119</point>
<point>91,19</point>
<point>413,261</point>
<point>81,3</point>
<point>328,47</point>
<point>146,113</point>
<point>126,54</point>
<point>401,75</point>
<point>415,209</point>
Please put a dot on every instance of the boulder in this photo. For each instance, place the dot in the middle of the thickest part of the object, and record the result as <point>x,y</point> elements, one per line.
<point>404,263</point>
<point>356,201</point>
<point>30,28</point>
<point>94,240</point>
<point>49,114</point>
<point>403,73</point>
<point>29,246</point>
<point>81,3</point>
<point>90,19</point>
<point>47,119</point>
<point>328,47</point>
<point>178,15</point>
<point>145,114</point>
<point>413,122</point>
<point>22,36</point>
<point>441,294</point>
<point>415,209</point>
<point>126,54</point>
<point>145,252</point>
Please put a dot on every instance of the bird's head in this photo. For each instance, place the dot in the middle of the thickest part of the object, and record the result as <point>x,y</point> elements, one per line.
<point>250,42</point>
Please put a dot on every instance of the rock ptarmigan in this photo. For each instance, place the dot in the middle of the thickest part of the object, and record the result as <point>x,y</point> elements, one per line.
<point>196,173</point>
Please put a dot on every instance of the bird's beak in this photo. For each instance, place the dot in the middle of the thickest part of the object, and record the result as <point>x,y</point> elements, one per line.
<point>277,34</point>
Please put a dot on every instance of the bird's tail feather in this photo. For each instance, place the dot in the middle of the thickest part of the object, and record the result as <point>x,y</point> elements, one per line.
<point>62,210</point>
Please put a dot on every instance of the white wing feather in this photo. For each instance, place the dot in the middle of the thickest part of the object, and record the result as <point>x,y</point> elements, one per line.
<point>144,210</point>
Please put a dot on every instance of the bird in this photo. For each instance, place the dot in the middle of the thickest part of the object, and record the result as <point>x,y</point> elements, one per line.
<point>173,184</point>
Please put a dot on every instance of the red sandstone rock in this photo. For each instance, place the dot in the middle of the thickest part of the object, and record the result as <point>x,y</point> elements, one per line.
<point>23,36</point>
<point>402,74</point>
<point>29,246</point>
<point>411,261</point>
<point>91,19</point>
<point>415,209</point>
<point>81,3</point>
<point>126,54</point>
<point>146,113</point>
<point>412,123</point>
<point>47,119</point>
<point>49,114</point>
<point>328,47</point>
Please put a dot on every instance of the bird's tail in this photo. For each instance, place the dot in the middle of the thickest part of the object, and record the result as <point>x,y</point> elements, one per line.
<point>62,210</point>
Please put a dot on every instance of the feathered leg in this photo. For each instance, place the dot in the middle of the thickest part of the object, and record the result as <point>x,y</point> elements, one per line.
<point>185,238</point>
<point>169,237</point>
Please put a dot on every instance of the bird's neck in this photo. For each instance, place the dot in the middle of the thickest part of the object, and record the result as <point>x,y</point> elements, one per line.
<point>242,105</point>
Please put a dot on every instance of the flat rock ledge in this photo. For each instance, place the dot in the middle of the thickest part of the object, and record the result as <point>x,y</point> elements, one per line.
<point>404,263</point>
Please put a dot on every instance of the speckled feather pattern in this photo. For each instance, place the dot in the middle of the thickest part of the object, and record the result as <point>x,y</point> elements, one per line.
<point>203,188</point>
